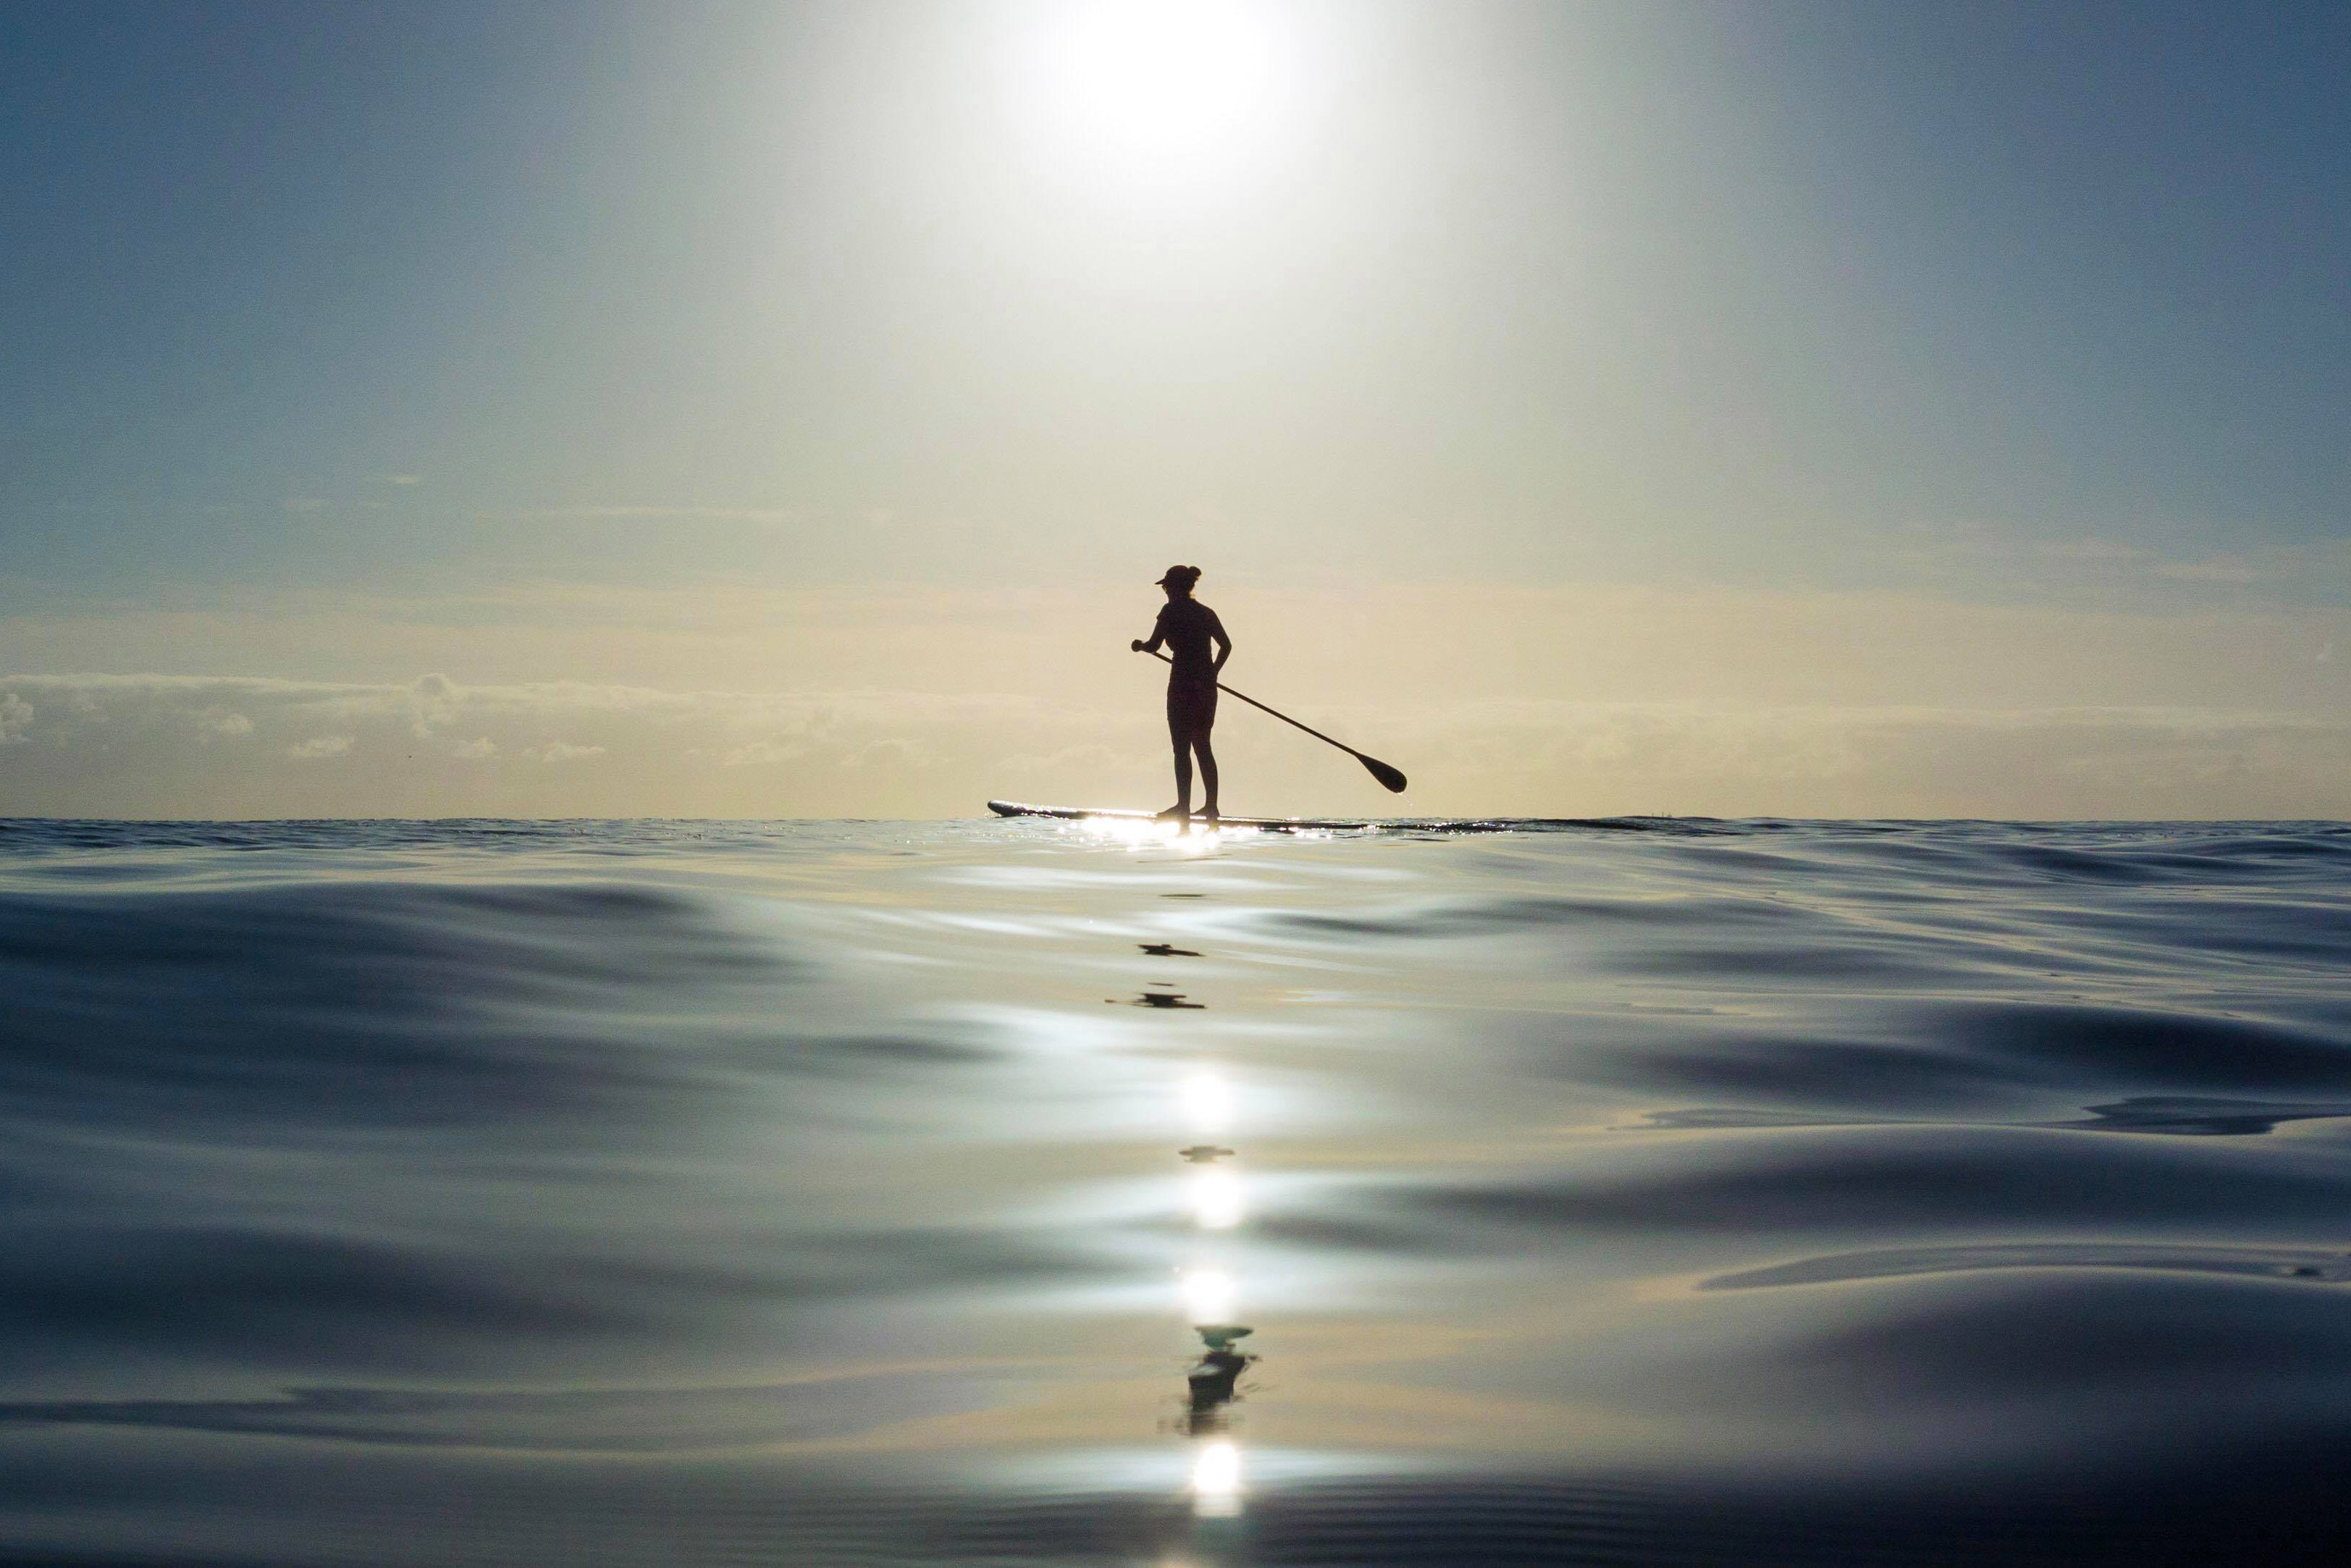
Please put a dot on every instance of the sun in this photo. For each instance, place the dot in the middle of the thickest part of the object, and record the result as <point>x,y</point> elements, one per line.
<point>1161,91</point>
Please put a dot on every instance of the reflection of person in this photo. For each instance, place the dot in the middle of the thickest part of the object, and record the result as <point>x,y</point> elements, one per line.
<point>1215,1380</point>
<point>1214,1384</point>
<point>1189,627</point>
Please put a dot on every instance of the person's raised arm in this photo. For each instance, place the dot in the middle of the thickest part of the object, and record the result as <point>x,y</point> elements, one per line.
<point>1158,635</point>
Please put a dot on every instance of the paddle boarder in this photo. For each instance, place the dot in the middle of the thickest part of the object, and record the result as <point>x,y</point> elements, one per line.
<point>1187,627</point>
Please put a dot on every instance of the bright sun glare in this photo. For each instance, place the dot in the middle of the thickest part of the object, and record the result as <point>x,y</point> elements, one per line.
<point>1216,1480</point>
<point>1159,90</point>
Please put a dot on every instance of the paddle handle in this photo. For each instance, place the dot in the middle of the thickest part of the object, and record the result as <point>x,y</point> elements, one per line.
<point>1278,713</point>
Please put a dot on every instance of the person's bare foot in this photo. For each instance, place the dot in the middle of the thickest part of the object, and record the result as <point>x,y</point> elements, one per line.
<point>1176,813</point>
<point>1209,813</point>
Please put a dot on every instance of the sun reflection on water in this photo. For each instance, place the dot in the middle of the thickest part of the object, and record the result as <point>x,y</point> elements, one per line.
<point>1207,1097</point>
<point>1212,1194</point>
<point>1216,1480</point>
<point>1215,1199</point>
<point>1146,832</point>
<point>1208,1295</point>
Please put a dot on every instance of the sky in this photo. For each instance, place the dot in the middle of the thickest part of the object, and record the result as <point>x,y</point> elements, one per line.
<point>784,410</point>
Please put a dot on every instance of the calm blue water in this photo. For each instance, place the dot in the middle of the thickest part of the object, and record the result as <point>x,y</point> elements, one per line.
<point>662,1193</point>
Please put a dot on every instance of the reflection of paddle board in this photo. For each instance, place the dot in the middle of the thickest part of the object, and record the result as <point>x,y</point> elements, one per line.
<point>1083,814</point>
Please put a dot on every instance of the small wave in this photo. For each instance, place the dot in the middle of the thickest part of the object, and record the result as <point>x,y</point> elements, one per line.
<point>1443,827</point>
<point>2177,1116</point>
<point>1933,1057</point>
<point>361,1003</point>
<point>625,1420</point>
<point>2329,1266</point>
<point>1915,1178</point>
<point>1476,917</point>
<point>2188,1115</point>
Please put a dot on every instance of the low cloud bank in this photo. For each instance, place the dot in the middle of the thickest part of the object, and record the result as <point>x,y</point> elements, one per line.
<point>197,746</point>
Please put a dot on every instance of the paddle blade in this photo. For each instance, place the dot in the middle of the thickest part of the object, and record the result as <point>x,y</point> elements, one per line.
<point>1390,778</point>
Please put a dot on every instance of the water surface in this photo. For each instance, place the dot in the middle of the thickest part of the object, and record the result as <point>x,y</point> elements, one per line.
<point>1027,1192</point>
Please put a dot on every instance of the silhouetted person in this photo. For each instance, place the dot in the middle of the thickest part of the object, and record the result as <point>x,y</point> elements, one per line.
<point>1189,627</point>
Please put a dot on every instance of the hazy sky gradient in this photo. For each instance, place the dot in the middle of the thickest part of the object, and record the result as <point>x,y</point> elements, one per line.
<point>1708,408</point>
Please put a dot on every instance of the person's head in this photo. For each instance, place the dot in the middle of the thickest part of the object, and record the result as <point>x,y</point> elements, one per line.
<point>1179,580</point>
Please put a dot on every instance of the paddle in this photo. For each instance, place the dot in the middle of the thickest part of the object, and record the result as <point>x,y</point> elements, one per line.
<point>1391,779</point>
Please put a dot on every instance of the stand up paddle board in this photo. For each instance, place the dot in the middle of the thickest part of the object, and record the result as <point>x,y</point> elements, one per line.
<point>1087,814</point>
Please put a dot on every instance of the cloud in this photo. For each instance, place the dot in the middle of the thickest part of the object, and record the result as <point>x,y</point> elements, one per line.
<point>591,514</point>
<point>2089,549</point>
<point>2092,571</point>
<point>2133,763</point>
<point>893,753</point>
<point>2221,568</point>
<point>761,753</point>
<point>1495,699</point>
<point>230,724</point>
<point>400,479</point>
<point>433,700</point>
<point>134,746</point>
<point>561,752</point>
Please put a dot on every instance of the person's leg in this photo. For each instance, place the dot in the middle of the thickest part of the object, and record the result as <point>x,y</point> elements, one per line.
<point>1178,733</point>
<point>1207,770</point>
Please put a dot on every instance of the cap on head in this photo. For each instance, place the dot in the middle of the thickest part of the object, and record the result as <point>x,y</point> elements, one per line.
<point>1182,576</point>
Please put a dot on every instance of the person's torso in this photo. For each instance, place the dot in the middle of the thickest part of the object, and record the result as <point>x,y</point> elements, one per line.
<point>1186,624</point>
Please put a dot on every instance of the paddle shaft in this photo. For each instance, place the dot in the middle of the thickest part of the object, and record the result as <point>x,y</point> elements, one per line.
<point>1282,716</point>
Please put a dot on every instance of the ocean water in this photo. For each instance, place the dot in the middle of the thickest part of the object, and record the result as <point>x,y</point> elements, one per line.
<point>503,1192</point>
